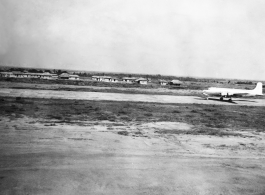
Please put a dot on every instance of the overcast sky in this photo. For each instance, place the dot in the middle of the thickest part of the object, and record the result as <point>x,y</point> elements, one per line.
<point>202,38</point>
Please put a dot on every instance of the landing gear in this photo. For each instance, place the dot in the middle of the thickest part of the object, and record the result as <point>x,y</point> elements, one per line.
<point>230,100</point>
<point>221,98</point>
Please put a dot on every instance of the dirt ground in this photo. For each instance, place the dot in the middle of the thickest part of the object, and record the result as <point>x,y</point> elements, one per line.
<point>69,146</point>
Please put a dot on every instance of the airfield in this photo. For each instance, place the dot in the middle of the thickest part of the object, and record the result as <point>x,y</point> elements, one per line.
<point>55,139</point>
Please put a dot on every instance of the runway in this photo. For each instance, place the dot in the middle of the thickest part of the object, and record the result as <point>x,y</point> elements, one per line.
<point>99,96</point>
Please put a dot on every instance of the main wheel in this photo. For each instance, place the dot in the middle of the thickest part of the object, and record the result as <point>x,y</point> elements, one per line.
<point>221,98</point>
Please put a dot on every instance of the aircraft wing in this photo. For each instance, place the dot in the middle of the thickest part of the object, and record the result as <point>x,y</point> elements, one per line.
<point>231,93</point>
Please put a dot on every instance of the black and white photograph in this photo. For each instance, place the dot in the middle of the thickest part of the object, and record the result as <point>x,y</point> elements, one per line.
<point>135,97</point>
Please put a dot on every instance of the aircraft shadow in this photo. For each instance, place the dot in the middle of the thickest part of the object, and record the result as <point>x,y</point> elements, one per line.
<point>245,101</point>
<point>233,101</point>
<point>214,99</point>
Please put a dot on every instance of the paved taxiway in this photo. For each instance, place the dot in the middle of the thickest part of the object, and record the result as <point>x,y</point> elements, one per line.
<point>29,93</point>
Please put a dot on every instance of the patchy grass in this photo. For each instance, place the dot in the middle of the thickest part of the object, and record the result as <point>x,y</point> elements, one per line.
<point>126,133</point>
<point>201,131</point>
<point>208,119</point>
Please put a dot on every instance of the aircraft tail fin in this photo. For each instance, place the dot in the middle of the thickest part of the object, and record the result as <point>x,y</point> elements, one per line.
<point>258,89</point>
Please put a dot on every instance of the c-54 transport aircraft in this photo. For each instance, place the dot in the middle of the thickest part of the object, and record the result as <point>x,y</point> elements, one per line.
<point>229,92</point>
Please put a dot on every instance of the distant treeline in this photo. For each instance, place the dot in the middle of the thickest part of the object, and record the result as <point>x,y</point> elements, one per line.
<point>33,70</point>
<point>245,82</point>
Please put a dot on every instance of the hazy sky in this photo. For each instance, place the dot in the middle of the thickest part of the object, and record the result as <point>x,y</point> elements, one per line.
<point>205,38</point>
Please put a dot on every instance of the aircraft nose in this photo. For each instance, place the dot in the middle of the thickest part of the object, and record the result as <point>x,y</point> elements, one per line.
<point>205,92</point>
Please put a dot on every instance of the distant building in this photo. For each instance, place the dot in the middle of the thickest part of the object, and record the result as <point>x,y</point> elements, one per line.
<point>175,82</point>
<point>102,78</point>
<point>142,81</point>
<point>128,79</point>
<point>106,78</point>
<point>7,74</point>
<point>163,82</point>
<point>64,76</point>
<point>48,76</point>
<point>114,79</point>
<point>74,77</point>
<point>18,74</point>
<point>69,76</point>
<point>95,78</point>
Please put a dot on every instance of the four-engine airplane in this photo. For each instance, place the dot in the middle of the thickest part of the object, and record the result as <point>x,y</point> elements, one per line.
<point>229,92</point>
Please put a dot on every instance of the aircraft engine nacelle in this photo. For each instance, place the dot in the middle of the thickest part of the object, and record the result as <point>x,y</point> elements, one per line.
<point>226,94</point>
<point>223,94</point>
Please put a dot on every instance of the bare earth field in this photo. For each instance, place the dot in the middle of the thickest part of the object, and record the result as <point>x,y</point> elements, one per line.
<point>54,144</point>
